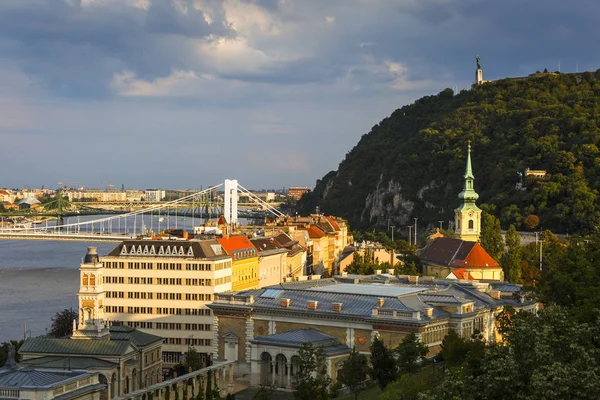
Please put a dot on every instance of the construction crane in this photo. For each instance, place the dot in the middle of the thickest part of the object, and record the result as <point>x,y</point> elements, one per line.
<point>77,185</point>
<point>108,186</point>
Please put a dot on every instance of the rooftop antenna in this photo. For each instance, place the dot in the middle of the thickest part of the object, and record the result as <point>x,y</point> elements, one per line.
<point>559,66</point>
<point>576,67</point>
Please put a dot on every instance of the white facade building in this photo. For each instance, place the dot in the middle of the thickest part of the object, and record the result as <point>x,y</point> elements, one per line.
<point>154,194</point>
<point>163,287</point>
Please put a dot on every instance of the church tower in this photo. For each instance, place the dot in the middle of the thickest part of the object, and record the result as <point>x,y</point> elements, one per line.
<point>467,217</point>
<point>91,323</point>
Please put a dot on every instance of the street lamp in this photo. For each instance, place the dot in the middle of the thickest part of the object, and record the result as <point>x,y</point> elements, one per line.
<point>416,230</point>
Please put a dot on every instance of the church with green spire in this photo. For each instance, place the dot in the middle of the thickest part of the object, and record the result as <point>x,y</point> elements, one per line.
<point>467,217</point>
<point>462,257</point>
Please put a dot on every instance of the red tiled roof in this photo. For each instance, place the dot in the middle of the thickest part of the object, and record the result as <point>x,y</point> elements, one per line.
<point>457,253</point>
<point>313,232</point>
<point>462,273</point>
<point>477,258</point>
<point>233,244</point>
<point>334,224</point>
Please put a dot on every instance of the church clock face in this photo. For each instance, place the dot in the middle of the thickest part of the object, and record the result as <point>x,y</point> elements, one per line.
<point>470,213</point>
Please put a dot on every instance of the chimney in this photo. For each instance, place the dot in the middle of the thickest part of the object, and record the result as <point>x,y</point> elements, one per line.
<point>428,311</point>
<point>380,302</point>
<point>390,271</point>
<point>428,279</point>
<point>377,272</point>
<point>495,294</point>
<point>284,302</point>
<point>413,279</point>
<point>336,307</point>
<point>344,274</point>
<point>312,304</point>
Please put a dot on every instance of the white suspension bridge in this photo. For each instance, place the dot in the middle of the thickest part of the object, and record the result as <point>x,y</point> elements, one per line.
<point>171,215</point>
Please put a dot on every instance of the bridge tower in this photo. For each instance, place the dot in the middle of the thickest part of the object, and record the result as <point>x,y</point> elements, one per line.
<point>231,201</point>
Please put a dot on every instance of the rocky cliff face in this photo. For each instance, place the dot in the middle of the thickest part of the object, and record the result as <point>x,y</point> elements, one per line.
<point>411,164</point>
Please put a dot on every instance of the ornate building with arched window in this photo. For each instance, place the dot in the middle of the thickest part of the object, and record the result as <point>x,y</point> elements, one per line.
<point>126,359</point>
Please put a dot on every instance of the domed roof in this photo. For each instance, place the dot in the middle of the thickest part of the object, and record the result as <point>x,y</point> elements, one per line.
<point>92,256</point>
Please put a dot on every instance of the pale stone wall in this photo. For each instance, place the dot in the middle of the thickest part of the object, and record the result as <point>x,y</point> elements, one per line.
<point>362,340</point>
<point>236,325</point>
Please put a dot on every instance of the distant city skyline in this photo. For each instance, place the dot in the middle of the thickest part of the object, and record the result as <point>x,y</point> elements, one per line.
<point>183,93</point>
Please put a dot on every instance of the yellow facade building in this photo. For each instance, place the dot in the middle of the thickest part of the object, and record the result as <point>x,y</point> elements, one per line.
<point>244,274</point>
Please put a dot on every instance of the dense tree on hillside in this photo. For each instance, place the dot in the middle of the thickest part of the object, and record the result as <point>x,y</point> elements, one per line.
<point>571,277</point>
<point>411,163</point>
<point>511,260</point>
<point>491,238</point>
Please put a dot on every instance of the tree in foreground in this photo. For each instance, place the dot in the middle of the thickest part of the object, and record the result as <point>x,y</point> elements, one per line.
<point>410,351</point>
<point>383,364</point>
<point>354,371</point>
<point>16,344</point>
<point>192,360</point>
<point>209,390</point>
<point>62,323</point>
<point>548,356</point>
<point>312,381</point>
<point>200,395</point>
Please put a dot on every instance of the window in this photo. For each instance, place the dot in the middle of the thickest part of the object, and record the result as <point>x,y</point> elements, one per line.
<point>470,224</point>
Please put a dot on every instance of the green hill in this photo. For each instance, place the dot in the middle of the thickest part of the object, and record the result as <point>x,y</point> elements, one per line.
<point>411,163</point>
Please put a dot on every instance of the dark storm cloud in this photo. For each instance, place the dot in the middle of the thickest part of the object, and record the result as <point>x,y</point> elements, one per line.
<point>306,75</point>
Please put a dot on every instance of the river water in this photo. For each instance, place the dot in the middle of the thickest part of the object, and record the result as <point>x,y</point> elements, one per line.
<point>39,278</point>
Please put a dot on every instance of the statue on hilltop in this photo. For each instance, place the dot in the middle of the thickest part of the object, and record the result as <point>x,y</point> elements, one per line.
<point>478,62</point>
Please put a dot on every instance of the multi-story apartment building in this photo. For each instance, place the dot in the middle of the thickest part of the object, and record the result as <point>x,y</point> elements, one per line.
<point>154,194</point>
<point>97,195</point>
<point>163,286</point>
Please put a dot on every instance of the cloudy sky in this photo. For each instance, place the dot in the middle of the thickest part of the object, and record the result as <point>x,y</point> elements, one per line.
<point>184,93</point>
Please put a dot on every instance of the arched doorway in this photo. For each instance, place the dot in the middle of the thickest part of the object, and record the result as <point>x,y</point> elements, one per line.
<point>266,369</point>
<point>281,370</point>
<point>104,395</point>
<point>113,386</point>
<point>295,367</point>
<point>134,380</point>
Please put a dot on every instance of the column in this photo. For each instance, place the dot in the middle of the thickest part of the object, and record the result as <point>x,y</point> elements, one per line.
<point>289,375</point>
<point>274,367</point>
<point>230,383</point>
<point>224,386</point>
